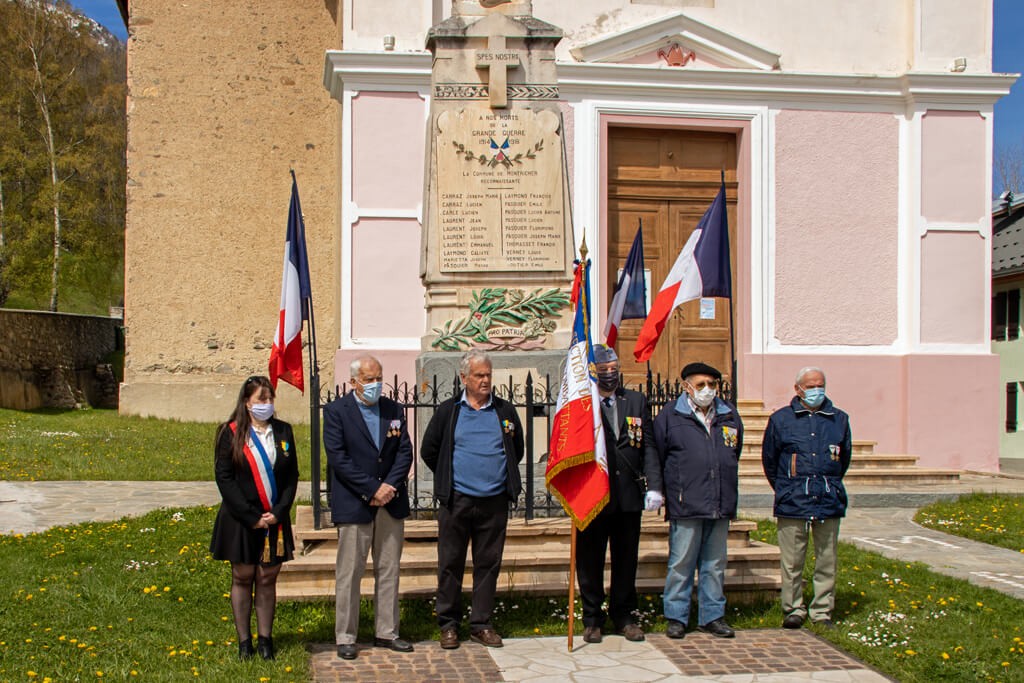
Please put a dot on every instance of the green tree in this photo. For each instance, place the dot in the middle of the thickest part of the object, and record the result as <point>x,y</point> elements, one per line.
<point>62,174</point>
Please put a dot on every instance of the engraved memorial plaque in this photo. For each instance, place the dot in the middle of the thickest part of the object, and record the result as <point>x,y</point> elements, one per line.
<point>500,203</point>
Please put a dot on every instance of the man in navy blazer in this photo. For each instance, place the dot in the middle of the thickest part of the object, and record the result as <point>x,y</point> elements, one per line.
<point>369,455</point>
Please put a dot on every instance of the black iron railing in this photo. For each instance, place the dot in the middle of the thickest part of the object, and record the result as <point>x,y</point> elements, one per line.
<point>535,400</point>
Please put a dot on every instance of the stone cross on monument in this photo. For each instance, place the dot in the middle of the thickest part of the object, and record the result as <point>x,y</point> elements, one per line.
<point>497,60</point>
<point>497,234</point>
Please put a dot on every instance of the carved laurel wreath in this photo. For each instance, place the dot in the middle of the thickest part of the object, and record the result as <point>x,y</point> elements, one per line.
<point>500,306</point>
<point>492,161</point>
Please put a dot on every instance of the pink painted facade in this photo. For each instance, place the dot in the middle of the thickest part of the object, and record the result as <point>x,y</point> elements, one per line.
<point>862,242</point>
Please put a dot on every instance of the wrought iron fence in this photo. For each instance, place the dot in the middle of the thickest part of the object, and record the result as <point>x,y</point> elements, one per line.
<point>535,401</point>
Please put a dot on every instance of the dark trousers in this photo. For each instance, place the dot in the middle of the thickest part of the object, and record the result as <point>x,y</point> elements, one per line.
<point>482,521</point>
<point>622,531</point>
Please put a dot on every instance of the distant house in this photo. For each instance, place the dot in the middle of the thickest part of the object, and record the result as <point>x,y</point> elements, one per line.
<point>1007,342</point>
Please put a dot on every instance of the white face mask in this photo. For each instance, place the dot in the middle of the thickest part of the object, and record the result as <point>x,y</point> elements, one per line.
<point>262,411</point>
<point>704,397</point>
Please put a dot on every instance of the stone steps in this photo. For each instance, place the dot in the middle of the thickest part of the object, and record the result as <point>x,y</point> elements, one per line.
<point>536,560</point>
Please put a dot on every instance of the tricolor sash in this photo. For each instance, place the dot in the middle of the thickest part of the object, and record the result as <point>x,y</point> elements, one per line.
<point>266,484</point>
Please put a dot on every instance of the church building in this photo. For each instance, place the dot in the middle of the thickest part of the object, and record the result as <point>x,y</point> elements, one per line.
<point>855,141</point>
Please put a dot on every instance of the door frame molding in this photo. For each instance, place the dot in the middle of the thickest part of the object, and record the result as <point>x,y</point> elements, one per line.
<point>754,203</point>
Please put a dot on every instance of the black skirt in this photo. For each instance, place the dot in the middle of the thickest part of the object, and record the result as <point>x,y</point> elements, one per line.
<point>234,542</point>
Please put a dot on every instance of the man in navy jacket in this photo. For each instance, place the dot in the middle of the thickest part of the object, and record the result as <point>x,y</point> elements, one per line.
<point>699,438</point>
<point>369,455</point>
<point>806,451</point>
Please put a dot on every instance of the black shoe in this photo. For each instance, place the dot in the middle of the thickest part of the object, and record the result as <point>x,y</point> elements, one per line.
<point>718,628</point>
<point>265,646</point>
<point>245,650</point>
<point>347,651</point>
<point>396,644</point>
<point>825,623</point>
<point>793,621</point>
<point>675,630</point>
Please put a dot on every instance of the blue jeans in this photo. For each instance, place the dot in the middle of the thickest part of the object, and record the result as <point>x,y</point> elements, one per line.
<point>696,545</point>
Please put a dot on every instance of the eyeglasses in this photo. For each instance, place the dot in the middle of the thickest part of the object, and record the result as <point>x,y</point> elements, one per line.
<point>704,385</point>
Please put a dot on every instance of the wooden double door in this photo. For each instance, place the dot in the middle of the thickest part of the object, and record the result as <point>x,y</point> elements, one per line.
<point>666,179</point>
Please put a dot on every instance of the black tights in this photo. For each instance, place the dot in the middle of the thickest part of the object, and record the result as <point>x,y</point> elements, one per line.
<point>247,580</point>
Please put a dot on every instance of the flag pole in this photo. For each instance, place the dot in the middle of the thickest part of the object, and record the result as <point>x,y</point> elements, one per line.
<point>572,542</point>
<point>314,397</point>
<point>572,582</point>
<point>733,389</point>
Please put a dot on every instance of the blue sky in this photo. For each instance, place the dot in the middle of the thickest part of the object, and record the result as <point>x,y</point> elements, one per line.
<point>1007,57</point>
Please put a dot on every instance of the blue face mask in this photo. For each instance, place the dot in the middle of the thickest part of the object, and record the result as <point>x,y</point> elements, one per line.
<point>814,396</point>
<point>371,392</point>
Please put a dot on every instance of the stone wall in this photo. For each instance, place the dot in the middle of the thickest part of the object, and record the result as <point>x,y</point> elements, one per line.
<point>224,98</point>
<point>57,360</point>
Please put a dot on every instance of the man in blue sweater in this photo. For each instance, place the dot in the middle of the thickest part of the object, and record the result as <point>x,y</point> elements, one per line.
<point>473,445</point>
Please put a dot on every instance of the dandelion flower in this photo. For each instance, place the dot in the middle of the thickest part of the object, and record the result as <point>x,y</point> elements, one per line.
<point>945,655</point>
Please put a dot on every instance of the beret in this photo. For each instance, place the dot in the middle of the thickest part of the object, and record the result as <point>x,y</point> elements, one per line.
<point>700,369</point>
<point>604,354</point>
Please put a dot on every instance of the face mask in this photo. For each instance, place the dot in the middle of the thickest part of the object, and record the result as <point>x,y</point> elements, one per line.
<point>814,396</point>
<point>608,381</point>
<point>371,392</point>
<point>262,411</point>
<point>704,397</point>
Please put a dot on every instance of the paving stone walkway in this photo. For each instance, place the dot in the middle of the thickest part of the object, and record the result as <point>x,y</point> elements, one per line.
<point>763,655</point>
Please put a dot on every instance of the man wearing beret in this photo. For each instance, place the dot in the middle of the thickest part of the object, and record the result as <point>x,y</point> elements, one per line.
<point>632,466</point>
<point>699,439</point>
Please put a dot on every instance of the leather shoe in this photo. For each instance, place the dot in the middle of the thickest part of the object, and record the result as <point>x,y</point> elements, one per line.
<point>487,636</point>
<point>825,624</point>
<point>592,634</point>
<point>347,651</point>
<point>718,628</point>
<point>449,638</point>
<point>395,644</point>
<point>245,650</point>
<point>675,630</point>
<point>265,646</point>
<point>631,632</point>
<point>793,621</point>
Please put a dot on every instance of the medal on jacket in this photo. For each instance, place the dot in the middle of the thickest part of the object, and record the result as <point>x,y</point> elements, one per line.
<point>833,450</point>
<point>394,428</point>
<point>634,426</point>
<point>508,427</point>
<point>730,436</point>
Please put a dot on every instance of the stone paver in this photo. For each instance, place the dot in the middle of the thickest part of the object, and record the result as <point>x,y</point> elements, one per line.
<point>28,507</point>
<point>761,655</point>
<point>893,533</point>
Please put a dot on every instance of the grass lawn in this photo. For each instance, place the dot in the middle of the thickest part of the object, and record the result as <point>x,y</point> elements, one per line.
<point>996,519</point>
<point>72,445</point>
<point>140,599</point>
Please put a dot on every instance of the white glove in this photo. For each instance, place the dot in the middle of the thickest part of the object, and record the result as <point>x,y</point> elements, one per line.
<point>653,500</point>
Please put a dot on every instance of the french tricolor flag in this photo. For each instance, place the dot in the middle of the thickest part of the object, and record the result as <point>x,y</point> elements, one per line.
<point>702,269</point>
<point>630,299</point>
<point>577,469</point>
<point>286,355</point>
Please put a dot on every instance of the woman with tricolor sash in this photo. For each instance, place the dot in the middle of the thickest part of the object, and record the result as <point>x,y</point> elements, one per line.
<point>257,475</point>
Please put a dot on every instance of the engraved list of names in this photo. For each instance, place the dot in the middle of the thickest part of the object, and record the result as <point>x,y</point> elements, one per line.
<point>499,191</point>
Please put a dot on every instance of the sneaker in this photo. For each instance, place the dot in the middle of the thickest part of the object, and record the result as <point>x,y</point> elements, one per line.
<point>486,636</point>
<point>718,628</point>
<point>675,630</point>
<point>592,634</point>
<point>793,621</point>
<point>631,632</point>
